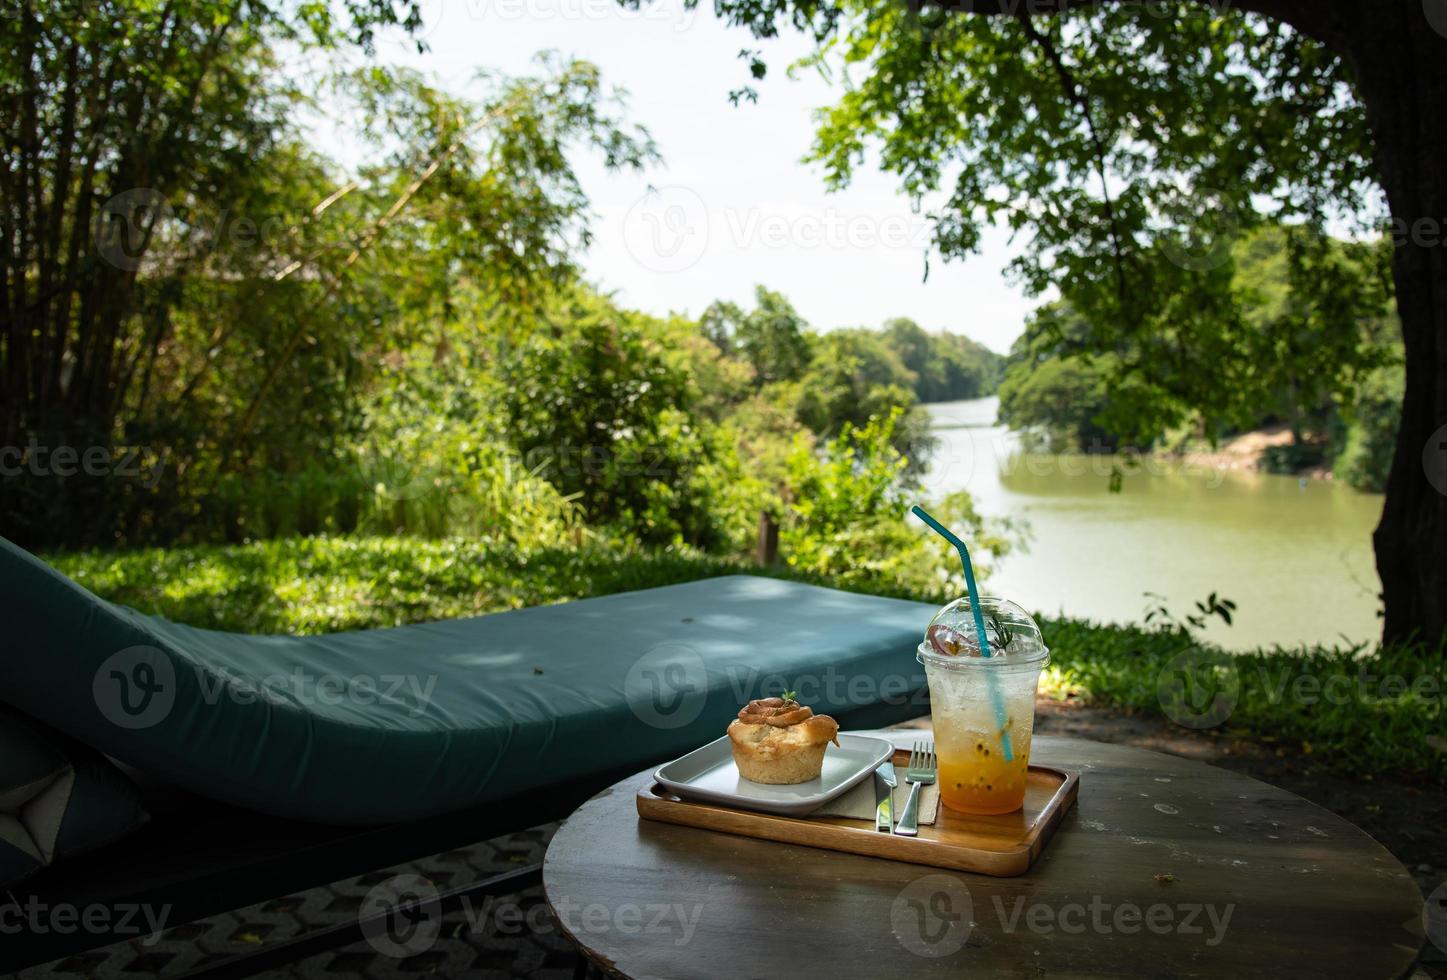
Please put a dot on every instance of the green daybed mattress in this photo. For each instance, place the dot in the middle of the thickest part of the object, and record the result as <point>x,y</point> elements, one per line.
<point>388,725</point>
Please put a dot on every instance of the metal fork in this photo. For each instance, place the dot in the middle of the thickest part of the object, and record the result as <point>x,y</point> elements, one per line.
<point>921,772</point>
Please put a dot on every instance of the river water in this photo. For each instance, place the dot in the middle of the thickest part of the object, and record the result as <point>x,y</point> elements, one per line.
<point>1294,555</point>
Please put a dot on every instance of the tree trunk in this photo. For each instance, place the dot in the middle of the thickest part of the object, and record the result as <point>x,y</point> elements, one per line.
<point>1398,51</point>
<point>1399,56</point>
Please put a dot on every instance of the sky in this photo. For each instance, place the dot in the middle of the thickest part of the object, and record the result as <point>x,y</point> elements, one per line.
<point>732,205</point>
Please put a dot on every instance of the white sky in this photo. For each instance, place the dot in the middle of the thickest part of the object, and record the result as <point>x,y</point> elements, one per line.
<point>734,206</point>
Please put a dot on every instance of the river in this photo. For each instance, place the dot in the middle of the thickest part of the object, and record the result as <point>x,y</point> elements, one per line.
<point>1295,555</point>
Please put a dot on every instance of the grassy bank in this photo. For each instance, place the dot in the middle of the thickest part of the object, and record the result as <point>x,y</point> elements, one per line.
<point>1355,710</point>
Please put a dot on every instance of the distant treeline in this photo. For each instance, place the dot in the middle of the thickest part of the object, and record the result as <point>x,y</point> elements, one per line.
<point>1330,372</point>
<point>778,344</point>
<point>947,366</point>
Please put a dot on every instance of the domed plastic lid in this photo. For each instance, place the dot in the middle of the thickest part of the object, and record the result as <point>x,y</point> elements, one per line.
<point>951,640</point>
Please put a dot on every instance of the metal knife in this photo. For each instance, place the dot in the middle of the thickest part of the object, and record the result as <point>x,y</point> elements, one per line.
<point>884,782</point>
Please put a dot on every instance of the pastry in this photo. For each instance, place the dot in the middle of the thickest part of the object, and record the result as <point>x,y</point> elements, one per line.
<point>781,742</point>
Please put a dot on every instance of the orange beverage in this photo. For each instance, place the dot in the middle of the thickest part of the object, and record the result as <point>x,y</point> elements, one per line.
<point>974,776</point>
<point>983,707</point>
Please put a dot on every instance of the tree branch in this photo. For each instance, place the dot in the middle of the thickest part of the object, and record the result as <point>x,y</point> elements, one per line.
<point>1313,17</point>
<point>366,241</point>
<point>1076,95</point>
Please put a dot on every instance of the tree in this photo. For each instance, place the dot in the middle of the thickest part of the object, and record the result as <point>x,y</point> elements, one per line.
<point>600,408</point>
<point>1133,140</point>
<point>1054,393</point>
<point>1310,322</point>
<point>947,366</point>
<point>177,271</point>
<point>770,337</point>
<point>843,516</point>
<point>854,377</point>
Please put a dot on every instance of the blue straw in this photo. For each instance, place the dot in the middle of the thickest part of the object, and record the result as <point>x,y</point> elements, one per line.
<point>974,593</point>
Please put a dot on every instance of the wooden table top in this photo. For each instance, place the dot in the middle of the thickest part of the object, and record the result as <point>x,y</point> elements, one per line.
<point>1264,883</point>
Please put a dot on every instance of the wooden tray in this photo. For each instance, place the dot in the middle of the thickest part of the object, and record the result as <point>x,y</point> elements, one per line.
<point>1003,846</point>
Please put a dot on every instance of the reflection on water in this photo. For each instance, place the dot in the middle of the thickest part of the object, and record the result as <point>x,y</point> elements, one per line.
<point>1295,555</point>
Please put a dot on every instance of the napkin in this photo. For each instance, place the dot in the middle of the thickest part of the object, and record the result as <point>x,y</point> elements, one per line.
<point>858,803</point>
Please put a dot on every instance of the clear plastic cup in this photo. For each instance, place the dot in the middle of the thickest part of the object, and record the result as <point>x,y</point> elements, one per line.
<point>974,775</point>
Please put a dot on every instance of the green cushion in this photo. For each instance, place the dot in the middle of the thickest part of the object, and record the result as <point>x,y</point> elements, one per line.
<point>28,761</point>
<point>58,799</point>
<point>386,725</point>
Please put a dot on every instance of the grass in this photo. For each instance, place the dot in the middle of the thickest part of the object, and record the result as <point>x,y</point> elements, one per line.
<point>323,585</point>
<point>1361,711</point>
<point>1357,710</point>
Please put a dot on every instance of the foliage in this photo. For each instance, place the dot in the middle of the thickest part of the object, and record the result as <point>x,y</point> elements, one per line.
<point>1336,704</point>
<point>1370,429</point>
<point>1316,312</point>
<point>846,519</point>
<point>853,377</point>
<point>1320,317</point>
<point>1128,145</point>
<point>946,366</point>
<point>1114,161</point>
<point>595,404</point>
<point>187,276</point>
<point>840,378</point>
<point>1160,616</point>
<point>770,338</point>
<point>1059,398</point>
<point>325,584</point>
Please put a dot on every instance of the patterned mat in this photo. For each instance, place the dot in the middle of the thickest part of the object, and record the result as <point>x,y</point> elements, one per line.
<point>506,936</point>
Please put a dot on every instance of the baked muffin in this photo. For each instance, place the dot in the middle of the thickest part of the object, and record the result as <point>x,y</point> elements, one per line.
<point>779,741</point>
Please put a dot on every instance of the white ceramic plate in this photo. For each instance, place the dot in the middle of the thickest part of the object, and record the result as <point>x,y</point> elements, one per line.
<point>709,774</point>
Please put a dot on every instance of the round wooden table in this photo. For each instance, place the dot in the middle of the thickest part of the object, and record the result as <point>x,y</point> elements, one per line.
<point>1164,867</point>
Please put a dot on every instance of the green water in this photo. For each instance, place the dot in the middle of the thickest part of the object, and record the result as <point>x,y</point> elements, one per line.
<point>1295,555</point>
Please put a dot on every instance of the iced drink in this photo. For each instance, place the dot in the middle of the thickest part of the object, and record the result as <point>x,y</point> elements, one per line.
<point>969,694</point>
